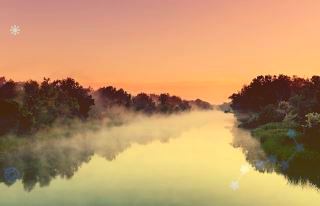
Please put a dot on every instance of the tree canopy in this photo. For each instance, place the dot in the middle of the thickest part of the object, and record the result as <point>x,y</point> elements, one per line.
<point>275,98</point>
<point>26,107</point>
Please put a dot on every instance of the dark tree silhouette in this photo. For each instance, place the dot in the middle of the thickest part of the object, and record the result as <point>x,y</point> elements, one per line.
<point>142,102</point>
<point>9,109</point>
<point>27,107</point>
<point>303,96</point>
<point>110,96</point>
<point>8,89</point>
<point>200,104</point>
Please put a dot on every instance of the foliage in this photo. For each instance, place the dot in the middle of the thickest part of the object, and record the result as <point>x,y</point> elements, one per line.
<point>170,104</point>
<point>9,116</point>
<point>262,91</point>
<point>274,139</point>
<point>9,109</point>
<point>200,104</point>
<point>281,100</point>
<point>270,113</point>
<point>142,102</point>
<point>313,120</point>
<point>42,104</point>
<point>312,128</point>
<point>30,106</point>
<point>271,97</point>
<point>110,97</point>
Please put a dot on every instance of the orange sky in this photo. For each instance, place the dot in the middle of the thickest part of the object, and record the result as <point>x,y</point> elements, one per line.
<point>202,48</point>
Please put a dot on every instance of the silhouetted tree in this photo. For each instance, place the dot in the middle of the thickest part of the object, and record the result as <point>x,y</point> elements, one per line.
<point>9,108</point>
<point>110,96</point>
<point>77,98</point>
<point>303,96</point>
<point>27,107</point>
<point>170,104</point>
<point>200,104</point>
<point>8,90</point>
<point>142,102</point>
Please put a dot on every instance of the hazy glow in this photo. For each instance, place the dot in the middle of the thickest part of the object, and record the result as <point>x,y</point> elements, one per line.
<point>193,167</point>
<point>205,48</point>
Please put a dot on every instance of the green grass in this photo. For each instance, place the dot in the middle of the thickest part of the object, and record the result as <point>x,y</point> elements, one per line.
<point>274,139</point>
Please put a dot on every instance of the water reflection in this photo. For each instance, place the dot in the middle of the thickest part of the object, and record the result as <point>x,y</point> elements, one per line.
<point>298,170</point>
<point>41,162</point>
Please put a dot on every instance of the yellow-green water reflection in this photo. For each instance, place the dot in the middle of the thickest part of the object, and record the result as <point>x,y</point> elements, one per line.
<point>193,167</point>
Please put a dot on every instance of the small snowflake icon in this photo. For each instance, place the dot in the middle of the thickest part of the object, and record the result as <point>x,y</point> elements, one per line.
<point>15,30</point>
<point>234,185</point>
<point>284,165</point>
<point>299,148</point>
<point>260,165</point>
<point>272,159</point>
<point>11,174</point>
<point>292,134</point>
<point>244,169</point>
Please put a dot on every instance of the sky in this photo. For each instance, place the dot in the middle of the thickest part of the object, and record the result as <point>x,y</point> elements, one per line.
<point>195,49</point>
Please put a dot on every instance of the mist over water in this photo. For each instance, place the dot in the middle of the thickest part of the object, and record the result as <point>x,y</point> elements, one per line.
<point>42,158</point>
<point>185,159</point>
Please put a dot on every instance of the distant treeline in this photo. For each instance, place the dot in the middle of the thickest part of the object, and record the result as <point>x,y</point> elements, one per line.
<point>26,107</point>
<point>280,98</point>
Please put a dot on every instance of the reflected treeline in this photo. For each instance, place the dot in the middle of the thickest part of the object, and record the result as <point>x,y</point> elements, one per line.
<point>304,170</point>
<point>250,146</point>
<point>299,169</point>
<point>42,163</point>
<point>43,160</point>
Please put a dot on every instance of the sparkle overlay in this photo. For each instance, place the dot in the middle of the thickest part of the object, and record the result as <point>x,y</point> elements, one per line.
<point>244,169</point>
<point>15,30</point>
<point>292,134</point>
<point>261,165</point>
<point>284,165</point>
<point>272,159</point>
<point>11,174</point>
<point>234,185</point>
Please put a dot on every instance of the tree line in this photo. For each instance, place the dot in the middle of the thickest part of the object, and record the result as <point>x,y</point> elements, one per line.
<point>29,106</point>
<point>280,98</point>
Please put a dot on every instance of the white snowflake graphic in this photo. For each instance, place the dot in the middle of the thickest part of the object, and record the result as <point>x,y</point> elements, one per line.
<point>234,185</point>
<point>15,30</point>
<point>260,165</point>
<point>244,169</point>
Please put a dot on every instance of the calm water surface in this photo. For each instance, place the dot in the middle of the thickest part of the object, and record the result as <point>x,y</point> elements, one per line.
<point>180,160</point>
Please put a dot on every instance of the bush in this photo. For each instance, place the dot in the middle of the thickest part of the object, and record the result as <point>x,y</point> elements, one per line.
<point>142,102</point>
<point>274,138</point>
<point>312,130</point>
<point>268,114</point>
<point>313,120</point>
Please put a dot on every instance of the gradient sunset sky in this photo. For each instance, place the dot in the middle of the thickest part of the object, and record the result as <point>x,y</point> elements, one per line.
<point>192,48</point>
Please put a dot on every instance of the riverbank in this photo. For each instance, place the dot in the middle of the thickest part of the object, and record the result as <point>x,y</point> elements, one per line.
<point>283,113</point>
<point>282,140</point>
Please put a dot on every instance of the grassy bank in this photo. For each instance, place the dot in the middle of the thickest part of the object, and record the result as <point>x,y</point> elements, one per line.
<point>274,140</point>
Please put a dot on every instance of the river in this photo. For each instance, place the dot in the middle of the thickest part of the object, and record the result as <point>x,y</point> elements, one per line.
<point>196,159</point>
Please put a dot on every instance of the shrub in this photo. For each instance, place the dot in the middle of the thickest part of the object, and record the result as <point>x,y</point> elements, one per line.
<point>313,120</point>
